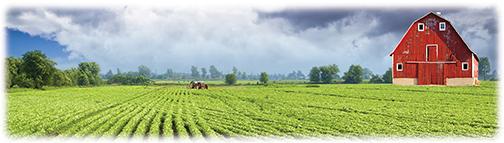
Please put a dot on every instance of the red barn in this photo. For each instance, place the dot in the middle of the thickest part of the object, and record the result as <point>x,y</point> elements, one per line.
<point>432,52</point>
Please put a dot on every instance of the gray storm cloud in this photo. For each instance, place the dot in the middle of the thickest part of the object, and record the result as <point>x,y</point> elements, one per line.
<point>251,40</point>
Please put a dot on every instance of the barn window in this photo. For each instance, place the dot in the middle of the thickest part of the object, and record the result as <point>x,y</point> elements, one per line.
<point>399,67</point>
<point>465,66</point>
<point>442,26</point>
<point>421,27</point>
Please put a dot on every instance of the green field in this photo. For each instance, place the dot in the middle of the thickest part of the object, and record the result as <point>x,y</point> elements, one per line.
<point>287,110</point>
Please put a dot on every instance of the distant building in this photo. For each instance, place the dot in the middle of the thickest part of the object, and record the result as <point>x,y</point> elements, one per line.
<point>432,52</point>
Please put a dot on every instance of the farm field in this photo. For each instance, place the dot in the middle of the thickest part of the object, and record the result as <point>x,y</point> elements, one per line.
<point>286,110</point>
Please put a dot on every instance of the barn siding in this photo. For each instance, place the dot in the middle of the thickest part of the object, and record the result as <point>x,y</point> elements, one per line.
<point>450,46</point>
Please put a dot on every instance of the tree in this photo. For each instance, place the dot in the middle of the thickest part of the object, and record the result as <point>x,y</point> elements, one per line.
<point>244,75</point>
<point>38,68</point>
<point>300,75</point>
<point>118,71</point>
<point>144,71</point>
<point>315,75</point>
<point>194,72</point>
<point>91,70</point>
<point>73,75</point>
<point>376,79</point>
<point>61,79</point>
<point>328,73</point>
<point>109,74</point>
<point>83,79</point>
<point>484,68</point>
<point>214,73</point>
<point>494,76</point>
<point>230,79</point>
<point>264,78</point>
<point>387,76</point>
<point>354,74</point>
<point>235,70</point>
<point>203,73</point>
<point>13,67</point>
<point>367,73</point>
<point>169,74</point>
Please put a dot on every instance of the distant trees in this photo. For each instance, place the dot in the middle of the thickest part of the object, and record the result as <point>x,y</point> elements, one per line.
<point>203,73</point>
<point>214,73</point>
<point>296,75</point>
<point>387,76</point>
<point>376,79</point>
<point>353,75</point>
<point>328,73</point>
<point>141,77</point>
<point>15,75</point>
<point>324,74</point>
<point>194,72</point>
<point>264,78</point>
<point>38,68</point>
<point>144,71</point>
<point>129,79</point>
<point>89,74</point>
<point>314,75</point>
<point>367,73</point>
<point>108,75</point>
<point>484,68</point>
<point>230,79</point>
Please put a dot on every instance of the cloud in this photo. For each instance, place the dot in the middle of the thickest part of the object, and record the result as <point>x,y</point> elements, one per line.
<point>251,40</point>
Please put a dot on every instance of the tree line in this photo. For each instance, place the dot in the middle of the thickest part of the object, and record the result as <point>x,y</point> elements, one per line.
<point>355,74</point>
<point>35,70</point>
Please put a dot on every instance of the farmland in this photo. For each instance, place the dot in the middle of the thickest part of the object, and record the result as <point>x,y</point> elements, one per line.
<point>287,110</point>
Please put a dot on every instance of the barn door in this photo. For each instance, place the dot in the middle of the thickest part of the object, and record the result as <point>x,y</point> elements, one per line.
<point>432,53</point>
<point>436,73</point>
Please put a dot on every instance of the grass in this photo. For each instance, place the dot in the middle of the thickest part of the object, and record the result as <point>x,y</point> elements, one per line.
<point>287,110</point>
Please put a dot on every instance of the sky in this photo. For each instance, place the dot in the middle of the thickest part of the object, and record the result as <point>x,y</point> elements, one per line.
<point>253,40</point>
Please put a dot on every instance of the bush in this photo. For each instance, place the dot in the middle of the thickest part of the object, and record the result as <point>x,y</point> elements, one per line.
<point>230,79</point>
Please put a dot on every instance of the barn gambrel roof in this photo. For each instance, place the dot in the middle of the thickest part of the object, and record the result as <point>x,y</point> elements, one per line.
<point>448,21</point>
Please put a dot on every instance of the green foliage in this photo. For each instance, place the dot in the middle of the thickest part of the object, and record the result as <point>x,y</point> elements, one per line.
<point>14,75</point>
<point>126,79</point>
<point>484,68</point>
<point>367,73</point>
<point>328,73</point>
<point>109,74</point>
<point>214,73</point>
<point>354,74</point>
<point>387,76</point>
<point>91,71</point>
<point>38,68</point>
<point>144,71</point>
<point>60,78</point>
<point>83,79</point>
<point>314,75</point>
<point>264,78</point>
<point>376,79</point>
<point>230,79</point>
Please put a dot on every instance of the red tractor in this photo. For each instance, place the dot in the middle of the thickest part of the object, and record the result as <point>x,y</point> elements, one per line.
<point>197,85</point>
